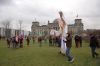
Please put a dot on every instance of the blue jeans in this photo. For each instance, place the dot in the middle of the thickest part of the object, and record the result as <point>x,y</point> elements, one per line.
<point>93,51</point>
<point>68,54</point>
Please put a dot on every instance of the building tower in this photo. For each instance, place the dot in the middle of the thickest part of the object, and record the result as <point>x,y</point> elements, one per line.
<point>77,27</point>
<point>34,26</point>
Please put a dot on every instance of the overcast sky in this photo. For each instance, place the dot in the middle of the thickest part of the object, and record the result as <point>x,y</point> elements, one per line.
<point>44,10</point>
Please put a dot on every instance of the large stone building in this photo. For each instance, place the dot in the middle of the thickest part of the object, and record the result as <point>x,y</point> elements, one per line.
<point>43,30</point>
<point>77,27</point>
<point>37,30</point>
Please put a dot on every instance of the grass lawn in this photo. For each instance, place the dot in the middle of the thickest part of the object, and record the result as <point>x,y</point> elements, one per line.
<point>45,56</point>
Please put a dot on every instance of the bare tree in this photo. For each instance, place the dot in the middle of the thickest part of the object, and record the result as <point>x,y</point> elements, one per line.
<point>6,24</point>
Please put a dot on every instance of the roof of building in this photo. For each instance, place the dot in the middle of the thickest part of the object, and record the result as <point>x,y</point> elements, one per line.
<point>71,25</point>
<point>35,22</point>
<point>55,21</point>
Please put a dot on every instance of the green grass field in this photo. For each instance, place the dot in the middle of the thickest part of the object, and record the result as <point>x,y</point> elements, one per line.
<point>45,56</point>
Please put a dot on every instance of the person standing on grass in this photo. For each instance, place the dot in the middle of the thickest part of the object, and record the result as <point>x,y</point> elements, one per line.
<point>69,45</point>
<point>50,40</point>
<point>21,41</point>
<point>13,42</point>
<point>0,37</point>
<point>80,40</point>
<point>77,41</point>
<point>58,41</point>
<point>16,41</point>
<point>28,40</point>
<point>33,39</point>
<point>93,45</point>
<point>8,42</point>
<point>40,41</point>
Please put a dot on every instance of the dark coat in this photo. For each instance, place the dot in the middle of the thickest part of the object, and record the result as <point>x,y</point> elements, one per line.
<point>69,41</point>
<point>77,38</point>
<point>94,42</point>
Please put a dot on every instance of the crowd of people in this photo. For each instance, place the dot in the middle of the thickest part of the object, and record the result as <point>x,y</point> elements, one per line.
<point>17,42</point>
<point>93,43</point>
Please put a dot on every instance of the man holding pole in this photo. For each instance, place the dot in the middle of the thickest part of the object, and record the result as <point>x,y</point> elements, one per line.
<point>62,25</point>
<point>66,41</point>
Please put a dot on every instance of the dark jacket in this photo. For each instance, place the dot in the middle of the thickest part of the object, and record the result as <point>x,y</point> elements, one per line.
<point>77,38</point>
<point>69,41</point>
<point>94,42</point>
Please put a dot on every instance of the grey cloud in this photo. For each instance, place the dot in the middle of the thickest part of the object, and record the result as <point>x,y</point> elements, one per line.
<point>89,11</point>
<point>6,2</point>
<point>39,11</point>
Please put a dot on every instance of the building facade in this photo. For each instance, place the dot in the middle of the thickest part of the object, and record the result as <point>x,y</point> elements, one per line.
<point>43,30</point>
<point>37,30</point>
<point>77,27</point>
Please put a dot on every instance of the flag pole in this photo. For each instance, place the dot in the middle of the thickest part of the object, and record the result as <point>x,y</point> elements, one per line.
<point>62,25</point>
